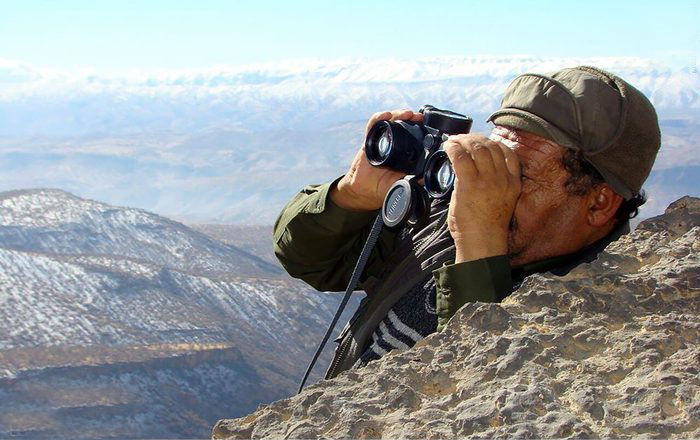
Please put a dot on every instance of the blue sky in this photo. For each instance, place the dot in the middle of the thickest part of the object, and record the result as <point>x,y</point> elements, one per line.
<point>149,34</point>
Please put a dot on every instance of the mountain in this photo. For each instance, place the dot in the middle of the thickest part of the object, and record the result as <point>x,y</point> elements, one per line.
<point>310,93</point>
<point>57,223</point>
<point>116,322</point>
<point>232,145</point>
<point>611,350</point>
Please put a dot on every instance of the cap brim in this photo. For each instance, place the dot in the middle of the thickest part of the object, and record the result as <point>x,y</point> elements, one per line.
<point>522,120</point>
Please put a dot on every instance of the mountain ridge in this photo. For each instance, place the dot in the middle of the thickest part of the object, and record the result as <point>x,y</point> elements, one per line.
<point>92,236</point>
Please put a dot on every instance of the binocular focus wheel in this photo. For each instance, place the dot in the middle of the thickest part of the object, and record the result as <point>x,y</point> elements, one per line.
<point>421,211</point>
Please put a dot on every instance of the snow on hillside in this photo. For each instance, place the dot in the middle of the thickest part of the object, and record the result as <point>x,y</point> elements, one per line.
<point>117,322</point>
<point>100,300</point>
<point>56,222</point>
<point>79,272</point>
<point>74,271</point>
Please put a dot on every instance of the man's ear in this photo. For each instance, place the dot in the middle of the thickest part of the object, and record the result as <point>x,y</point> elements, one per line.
<point>603,203</point>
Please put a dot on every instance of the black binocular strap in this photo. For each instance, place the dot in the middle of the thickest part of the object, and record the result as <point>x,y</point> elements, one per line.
<point>359,267</point>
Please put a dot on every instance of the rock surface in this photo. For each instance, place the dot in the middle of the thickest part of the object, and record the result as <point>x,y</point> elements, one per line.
<point>610,350</point>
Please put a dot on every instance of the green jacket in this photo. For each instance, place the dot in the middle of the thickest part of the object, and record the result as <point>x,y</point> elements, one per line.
<point>319,242</point>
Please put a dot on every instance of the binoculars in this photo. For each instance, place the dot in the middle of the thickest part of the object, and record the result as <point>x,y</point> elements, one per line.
<point>415,149</point>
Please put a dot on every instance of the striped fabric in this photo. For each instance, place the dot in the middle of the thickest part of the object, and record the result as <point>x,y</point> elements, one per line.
<point>411,319</point>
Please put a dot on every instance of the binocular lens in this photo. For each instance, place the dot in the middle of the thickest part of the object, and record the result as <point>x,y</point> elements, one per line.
<point>384,144</point>
<point>395,144</point>
<point>445,175</point>
<point>439,175</point>
<point>379,144</point>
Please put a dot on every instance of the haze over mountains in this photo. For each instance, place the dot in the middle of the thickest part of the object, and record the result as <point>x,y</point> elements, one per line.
<point>232,145</point>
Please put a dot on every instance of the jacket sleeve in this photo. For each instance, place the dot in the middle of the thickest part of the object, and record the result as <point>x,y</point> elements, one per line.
<point>319,242</point>
<point>485,280</point>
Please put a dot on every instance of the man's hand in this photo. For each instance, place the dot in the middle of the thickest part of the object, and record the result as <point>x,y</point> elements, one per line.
<point>364,186</point>
<point>486,188</point>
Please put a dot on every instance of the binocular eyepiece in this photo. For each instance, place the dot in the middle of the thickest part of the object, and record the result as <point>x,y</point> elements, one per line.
<point>415,148</point>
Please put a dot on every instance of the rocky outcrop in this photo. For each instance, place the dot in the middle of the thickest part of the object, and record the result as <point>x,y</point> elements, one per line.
<point>610,350</point>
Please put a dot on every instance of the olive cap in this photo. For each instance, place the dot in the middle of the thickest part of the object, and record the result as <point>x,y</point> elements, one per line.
<point>589,110</point>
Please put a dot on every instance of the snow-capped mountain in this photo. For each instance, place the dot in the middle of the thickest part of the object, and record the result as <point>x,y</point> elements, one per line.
<point>233,144</point>
<point>147,310</point>
<point>58,223</point>
<point>310,93</point>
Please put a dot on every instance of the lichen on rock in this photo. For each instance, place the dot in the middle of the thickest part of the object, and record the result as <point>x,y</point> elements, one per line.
<point>610,350</point>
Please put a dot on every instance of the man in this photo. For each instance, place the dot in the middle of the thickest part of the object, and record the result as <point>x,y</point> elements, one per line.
<point>556,181</point>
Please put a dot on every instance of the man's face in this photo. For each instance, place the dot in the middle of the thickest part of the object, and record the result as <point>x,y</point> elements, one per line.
<point>547,220</point>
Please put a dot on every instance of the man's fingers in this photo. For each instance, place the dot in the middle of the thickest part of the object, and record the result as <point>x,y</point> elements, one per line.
<point>499,159</point>
<point>401,114</point>
<point>462,161</point>
<point>417,117</point>
<point>490,161</point>
<point>482,158</point>
<point>406,115</point>
<point>379,116</point>
<point>394,115</point>
<point>478,148</point>
<point>463,164</point>
<point>512,161</point>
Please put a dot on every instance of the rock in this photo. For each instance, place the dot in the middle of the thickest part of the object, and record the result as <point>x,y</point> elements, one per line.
<point>610,350</point>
